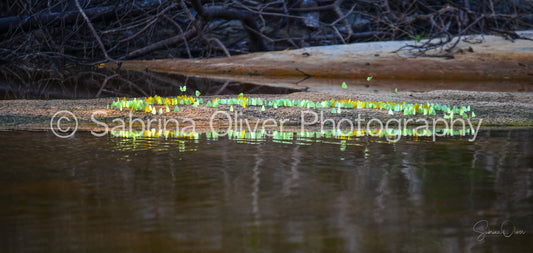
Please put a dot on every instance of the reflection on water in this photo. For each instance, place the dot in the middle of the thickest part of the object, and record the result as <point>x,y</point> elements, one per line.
<point>87,82</point>
<point>235,194</point>
<point>340,137</point>
<point>18,82</point>
<point>337,136</point>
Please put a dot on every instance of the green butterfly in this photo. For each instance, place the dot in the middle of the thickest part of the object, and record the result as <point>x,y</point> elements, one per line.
<point>183,88</point>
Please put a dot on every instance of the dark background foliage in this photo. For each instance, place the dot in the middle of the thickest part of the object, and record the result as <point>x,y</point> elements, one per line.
<point>56,32</point>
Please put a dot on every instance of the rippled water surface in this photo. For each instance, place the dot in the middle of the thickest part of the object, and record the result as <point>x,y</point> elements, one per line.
<point>110,194</point>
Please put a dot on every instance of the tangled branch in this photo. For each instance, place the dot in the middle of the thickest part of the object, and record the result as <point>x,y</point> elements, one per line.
<point>62,32</point>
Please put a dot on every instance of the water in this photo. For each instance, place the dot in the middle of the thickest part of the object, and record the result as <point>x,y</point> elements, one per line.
<point>88,82</point>
<point>110,194</point>
<point>18,82</point>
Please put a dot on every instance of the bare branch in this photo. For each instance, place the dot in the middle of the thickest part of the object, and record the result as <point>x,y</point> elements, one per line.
<point>100,43</point>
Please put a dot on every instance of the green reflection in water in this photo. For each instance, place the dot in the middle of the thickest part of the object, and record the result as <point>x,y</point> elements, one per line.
<point>337,137</point>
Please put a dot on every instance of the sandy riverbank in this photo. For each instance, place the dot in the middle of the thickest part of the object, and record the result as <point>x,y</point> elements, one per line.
<point>493,108</point>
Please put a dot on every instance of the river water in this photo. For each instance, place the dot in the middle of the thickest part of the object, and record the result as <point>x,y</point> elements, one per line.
<point>290,194</point>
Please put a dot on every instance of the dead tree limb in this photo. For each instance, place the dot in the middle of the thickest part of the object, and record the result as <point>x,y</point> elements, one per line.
<point>256,43</point>
<point>161,44</point>
<point>96,36</point>
<point>27,23</point>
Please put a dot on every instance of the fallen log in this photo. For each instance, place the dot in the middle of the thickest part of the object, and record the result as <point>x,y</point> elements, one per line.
<point>495,59</point>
